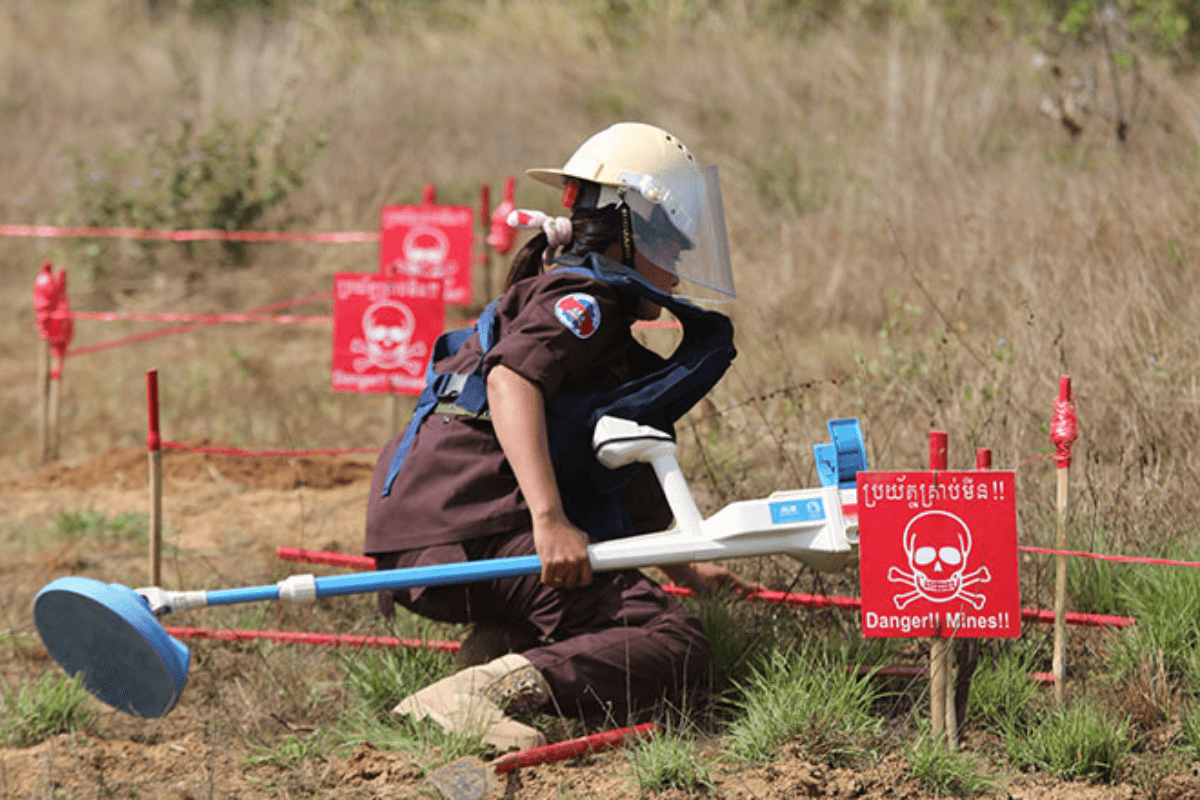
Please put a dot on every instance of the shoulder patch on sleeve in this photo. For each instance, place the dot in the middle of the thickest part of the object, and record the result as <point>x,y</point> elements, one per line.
<point>579,313</point>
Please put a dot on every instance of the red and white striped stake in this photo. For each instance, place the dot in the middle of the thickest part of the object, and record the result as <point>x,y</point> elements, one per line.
<point>154,451</point>
<point>1063,433</point>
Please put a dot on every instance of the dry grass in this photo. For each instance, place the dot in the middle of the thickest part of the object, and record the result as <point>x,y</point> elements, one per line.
<point>915,244</point>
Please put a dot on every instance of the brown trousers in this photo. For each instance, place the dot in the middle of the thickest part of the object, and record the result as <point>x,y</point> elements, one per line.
<point>608,650</point>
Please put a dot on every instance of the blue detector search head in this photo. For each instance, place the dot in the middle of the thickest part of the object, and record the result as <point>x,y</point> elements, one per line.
<point>106,634</point>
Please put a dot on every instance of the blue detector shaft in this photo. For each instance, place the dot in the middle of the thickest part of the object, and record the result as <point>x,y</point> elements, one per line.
<point>109,636</point>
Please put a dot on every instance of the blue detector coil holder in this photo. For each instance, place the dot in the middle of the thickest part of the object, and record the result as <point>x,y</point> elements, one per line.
<point>839,461</point>
<point>106,634</point>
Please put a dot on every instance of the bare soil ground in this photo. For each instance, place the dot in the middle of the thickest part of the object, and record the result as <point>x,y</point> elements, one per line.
<point>225,515</point>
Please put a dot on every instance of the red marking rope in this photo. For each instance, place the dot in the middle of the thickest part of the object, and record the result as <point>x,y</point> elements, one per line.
<point>574,747</point>
<point>142,337</point>
<point>778,598</point>
<point>55,231</point>
<point>233,451</point>
<point>1101,557</point>
<point>330,639</point>
<point>108,316</point>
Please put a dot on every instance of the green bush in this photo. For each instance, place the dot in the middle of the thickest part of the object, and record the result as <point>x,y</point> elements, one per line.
<point>227,177</point>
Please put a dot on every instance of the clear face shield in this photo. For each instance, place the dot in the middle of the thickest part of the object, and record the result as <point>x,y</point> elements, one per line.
<point>679,225</point>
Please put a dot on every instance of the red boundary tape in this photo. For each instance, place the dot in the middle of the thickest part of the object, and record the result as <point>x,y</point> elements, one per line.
<point>58,232</point>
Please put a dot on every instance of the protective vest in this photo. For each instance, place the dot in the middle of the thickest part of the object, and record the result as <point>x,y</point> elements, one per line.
<point>589,490</point>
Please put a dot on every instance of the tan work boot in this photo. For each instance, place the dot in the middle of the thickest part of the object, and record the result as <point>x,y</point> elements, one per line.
<point>477,699</point>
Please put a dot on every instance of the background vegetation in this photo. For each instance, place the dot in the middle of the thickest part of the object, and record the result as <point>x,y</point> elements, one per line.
<point>936,209</point>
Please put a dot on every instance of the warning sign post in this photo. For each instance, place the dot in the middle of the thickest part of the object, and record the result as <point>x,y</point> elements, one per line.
<point>429,241</point>
<point>384,330</point>
<point>938,554</point>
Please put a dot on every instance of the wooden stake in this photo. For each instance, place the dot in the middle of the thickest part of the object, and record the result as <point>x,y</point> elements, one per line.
<point>1059,665</point>
<point>53,413</point>
<point>43,400</point>
<point>940,652</point>
<point>154,448</point>
<point>393,413</point>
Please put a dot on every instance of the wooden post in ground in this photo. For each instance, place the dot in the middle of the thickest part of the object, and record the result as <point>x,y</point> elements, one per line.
<point>967,649</point>
<point>53,413</point>
<point>393,412</point>
<point>940,652</point>
<point>1062,433</point>
<point>154,449</point>
<point>43,379</point>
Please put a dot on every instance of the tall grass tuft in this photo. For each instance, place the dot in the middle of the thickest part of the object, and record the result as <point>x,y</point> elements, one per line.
<point>668,761</point>
<point>817,703</point>
<point>1166,603</point>
<point>1003,696</point>
<point>55,704</point>
<point>1077,740</point>
<point>943,772</point>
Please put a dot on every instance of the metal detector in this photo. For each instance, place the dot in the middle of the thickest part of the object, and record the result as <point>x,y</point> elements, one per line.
<point>109,635</point>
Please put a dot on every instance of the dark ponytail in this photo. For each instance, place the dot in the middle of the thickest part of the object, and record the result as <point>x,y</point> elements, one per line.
<point>594,230</point>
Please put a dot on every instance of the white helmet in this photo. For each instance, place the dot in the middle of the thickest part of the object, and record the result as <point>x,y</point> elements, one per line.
<point>677,213</point>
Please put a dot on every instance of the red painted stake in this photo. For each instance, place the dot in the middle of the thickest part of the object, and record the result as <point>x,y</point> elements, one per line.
<point>154,448</point>
<point>573,747</point>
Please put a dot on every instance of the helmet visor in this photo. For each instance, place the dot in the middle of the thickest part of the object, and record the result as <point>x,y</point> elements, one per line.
<point>679,225</point>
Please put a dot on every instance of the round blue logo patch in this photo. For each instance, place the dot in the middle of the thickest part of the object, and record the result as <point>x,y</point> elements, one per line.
<point>579,313</point>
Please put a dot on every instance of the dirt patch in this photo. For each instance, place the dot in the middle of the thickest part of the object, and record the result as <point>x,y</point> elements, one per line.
<point>129,467</point>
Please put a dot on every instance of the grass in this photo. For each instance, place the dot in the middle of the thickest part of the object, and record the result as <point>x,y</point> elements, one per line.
<point>54,704</point>
<point>1076,740</point>
<point>1003,697</point>
<point>670,760</point>
<point>943,772</point>
<point>92,525</point>
<point>1165,601</point>
<point>820,707</point>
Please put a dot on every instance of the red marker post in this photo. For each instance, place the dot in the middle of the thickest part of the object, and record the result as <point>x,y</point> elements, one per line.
<point>485,249</point>
<point>1063,432</point>
<point>154,450</point>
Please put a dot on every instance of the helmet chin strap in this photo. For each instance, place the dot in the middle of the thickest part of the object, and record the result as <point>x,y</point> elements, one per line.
<point>626,235</point>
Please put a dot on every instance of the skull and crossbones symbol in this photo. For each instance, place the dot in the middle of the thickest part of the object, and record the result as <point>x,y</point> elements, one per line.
<point>937,544</point>
<point>388,329</point>
<point>425,250</point>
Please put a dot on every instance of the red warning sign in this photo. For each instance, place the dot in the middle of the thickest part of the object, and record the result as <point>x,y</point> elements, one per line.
<point>938,554</point>
<point>383,332</point>
<point>429,241</point>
